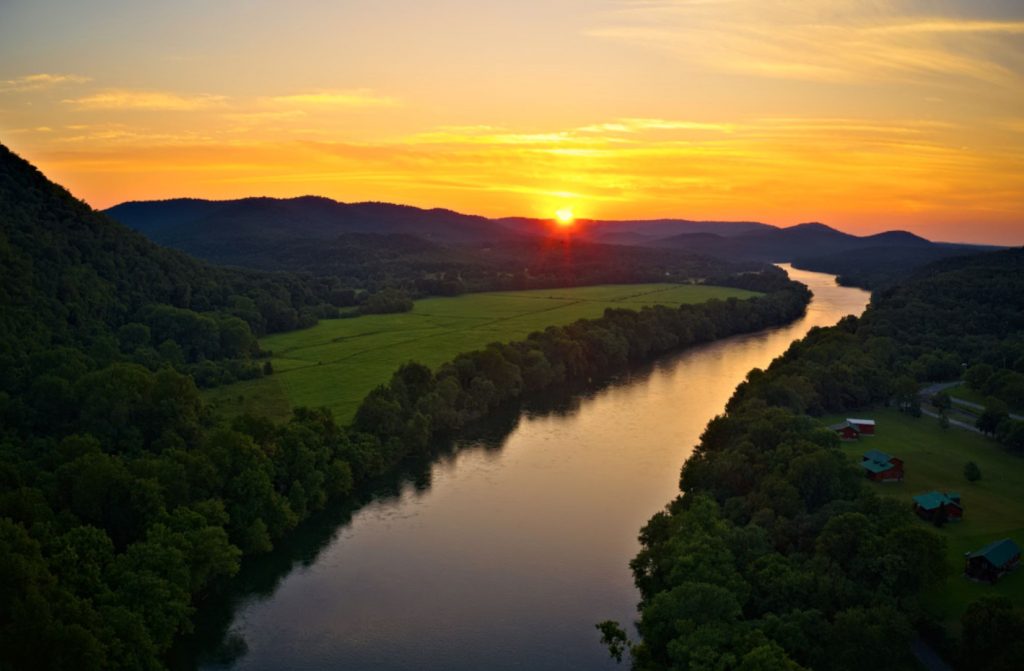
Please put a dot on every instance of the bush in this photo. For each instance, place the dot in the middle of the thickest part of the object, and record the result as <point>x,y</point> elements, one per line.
<point>972,472</point>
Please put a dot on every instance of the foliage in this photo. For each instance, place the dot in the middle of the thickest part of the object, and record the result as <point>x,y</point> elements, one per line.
<point>338,362</point>
<point>774,541</point>
<point>972,472</point>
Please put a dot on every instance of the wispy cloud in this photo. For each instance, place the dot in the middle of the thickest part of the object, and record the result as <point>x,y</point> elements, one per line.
<point>822,40</point>
<point>39,81</point>
<point>127,99</point>
<point>336,98</point>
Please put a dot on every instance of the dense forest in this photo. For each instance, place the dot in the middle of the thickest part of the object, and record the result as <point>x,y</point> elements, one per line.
<point>123,502</point>
<point>774,556</point>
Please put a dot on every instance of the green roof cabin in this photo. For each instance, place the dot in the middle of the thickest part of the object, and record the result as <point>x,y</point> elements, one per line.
<point>939,507</point>
<point>880,467</point>
<point>993,561</point>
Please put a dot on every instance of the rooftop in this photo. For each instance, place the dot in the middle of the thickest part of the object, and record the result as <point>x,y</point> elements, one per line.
<point>999,552</point>
<point>934,500</point>
<point>868,422</point>
<point>876,455</point>
<point>876,466</point>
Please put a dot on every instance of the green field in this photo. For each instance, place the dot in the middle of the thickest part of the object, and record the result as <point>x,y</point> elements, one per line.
<point>337,362</point>
<point>934,459</point>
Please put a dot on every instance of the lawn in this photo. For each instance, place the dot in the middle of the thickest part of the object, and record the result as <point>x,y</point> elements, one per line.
<point>934,459</point>
<point>337,362</point>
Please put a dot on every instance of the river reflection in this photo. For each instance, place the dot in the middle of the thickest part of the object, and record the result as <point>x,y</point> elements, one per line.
<point>504,551</point>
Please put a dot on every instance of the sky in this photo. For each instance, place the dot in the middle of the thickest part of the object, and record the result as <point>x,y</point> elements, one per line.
<point>868,115</point>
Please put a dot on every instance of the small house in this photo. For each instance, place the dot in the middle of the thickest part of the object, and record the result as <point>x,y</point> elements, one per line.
<point>845,431</point>
<point>993,561</point>
<point>865,427</point>
<point>939,506</point>
<point>880,467</point>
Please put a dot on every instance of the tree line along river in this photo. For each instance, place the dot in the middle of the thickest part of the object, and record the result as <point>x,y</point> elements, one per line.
<point>504,551</point>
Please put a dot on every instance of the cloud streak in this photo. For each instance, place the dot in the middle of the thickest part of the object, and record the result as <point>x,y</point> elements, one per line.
<point>160,101</point>
<point>822,40</point>
<point>345,98</point>
<point>39,81</point>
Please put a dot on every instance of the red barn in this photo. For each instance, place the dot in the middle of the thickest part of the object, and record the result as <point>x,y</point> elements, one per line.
<point>880,467</point>
<point>866,427</point>
<point>845,431</point>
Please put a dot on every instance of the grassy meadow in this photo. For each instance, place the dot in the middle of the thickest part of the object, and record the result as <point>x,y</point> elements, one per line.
<point>934,459</point>
<point>337,362</point>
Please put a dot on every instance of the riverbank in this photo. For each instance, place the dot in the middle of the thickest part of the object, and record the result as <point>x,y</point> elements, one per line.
<point>508,550</point>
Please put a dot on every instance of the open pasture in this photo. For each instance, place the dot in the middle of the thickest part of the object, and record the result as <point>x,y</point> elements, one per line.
<point>336,363</point>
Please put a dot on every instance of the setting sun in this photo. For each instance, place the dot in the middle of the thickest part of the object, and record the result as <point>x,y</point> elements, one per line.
<point>565,217</point>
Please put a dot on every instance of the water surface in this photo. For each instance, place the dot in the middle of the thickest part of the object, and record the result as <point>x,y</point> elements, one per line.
<point>505,552</point>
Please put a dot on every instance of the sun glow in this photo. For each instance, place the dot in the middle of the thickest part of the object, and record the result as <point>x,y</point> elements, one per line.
<point>565,218</point>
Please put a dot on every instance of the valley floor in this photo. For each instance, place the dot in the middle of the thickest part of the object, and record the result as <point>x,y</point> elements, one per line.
<point>336,363</point>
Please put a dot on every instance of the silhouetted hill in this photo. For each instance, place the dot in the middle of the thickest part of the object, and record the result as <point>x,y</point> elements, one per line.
<point>71,275</point>
<point>196,225</point>
<point>373,245</point>
<point>813,240</point>
<point>874,267</point>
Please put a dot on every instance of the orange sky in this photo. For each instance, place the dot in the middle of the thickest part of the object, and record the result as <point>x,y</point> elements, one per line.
<point>864,115</point>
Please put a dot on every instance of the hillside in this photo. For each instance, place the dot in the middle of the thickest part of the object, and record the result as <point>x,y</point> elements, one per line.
<point>370,245</point>
<point>181,222</point>
<point>72,276</point>
<point>425,252</point>
<point>873,267</point>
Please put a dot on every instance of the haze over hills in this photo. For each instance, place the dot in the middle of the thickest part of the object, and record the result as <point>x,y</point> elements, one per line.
<point>324,236</point>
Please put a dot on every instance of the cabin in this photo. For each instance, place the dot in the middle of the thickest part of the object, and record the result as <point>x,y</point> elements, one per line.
<point>993,561</point>
<point>845,431</point>
<point>880,467</point>
<point>939,507</point>
<point>865,427</point>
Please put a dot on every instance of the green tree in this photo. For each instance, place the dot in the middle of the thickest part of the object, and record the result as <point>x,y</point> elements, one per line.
<point>942,402</point>
<point>995,412</point>
<point>972,472</point>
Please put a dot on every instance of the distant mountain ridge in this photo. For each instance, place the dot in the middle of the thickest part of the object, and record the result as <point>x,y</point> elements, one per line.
<point>786,244</point>
<point>178,220</point>
<point>259,231</point>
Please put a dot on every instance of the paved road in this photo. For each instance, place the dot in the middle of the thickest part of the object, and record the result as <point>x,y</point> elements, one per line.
<point>933,389</point>
<point>979,407</point>
<point>928,658</point>
<point>952,422</point>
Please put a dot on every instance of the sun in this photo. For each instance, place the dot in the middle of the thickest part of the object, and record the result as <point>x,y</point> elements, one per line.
<point>564,217</point>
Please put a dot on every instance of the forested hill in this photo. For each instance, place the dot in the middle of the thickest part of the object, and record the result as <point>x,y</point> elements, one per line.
<point>879,266</point>
<point>775,555</point>
<point>70,274</point>
<point>373,246</point>
<point>181,221</point>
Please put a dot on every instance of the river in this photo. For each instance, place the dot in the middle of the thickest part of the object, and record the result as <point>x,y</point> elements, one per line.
<point>505,552</point>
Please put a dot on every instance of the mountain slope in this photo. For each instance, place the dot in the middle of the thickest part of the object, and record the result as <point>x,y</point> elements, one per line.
<point>189,224</point>
<point>70,275</point>
<point>785,244</point>
<point>372,245</point>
